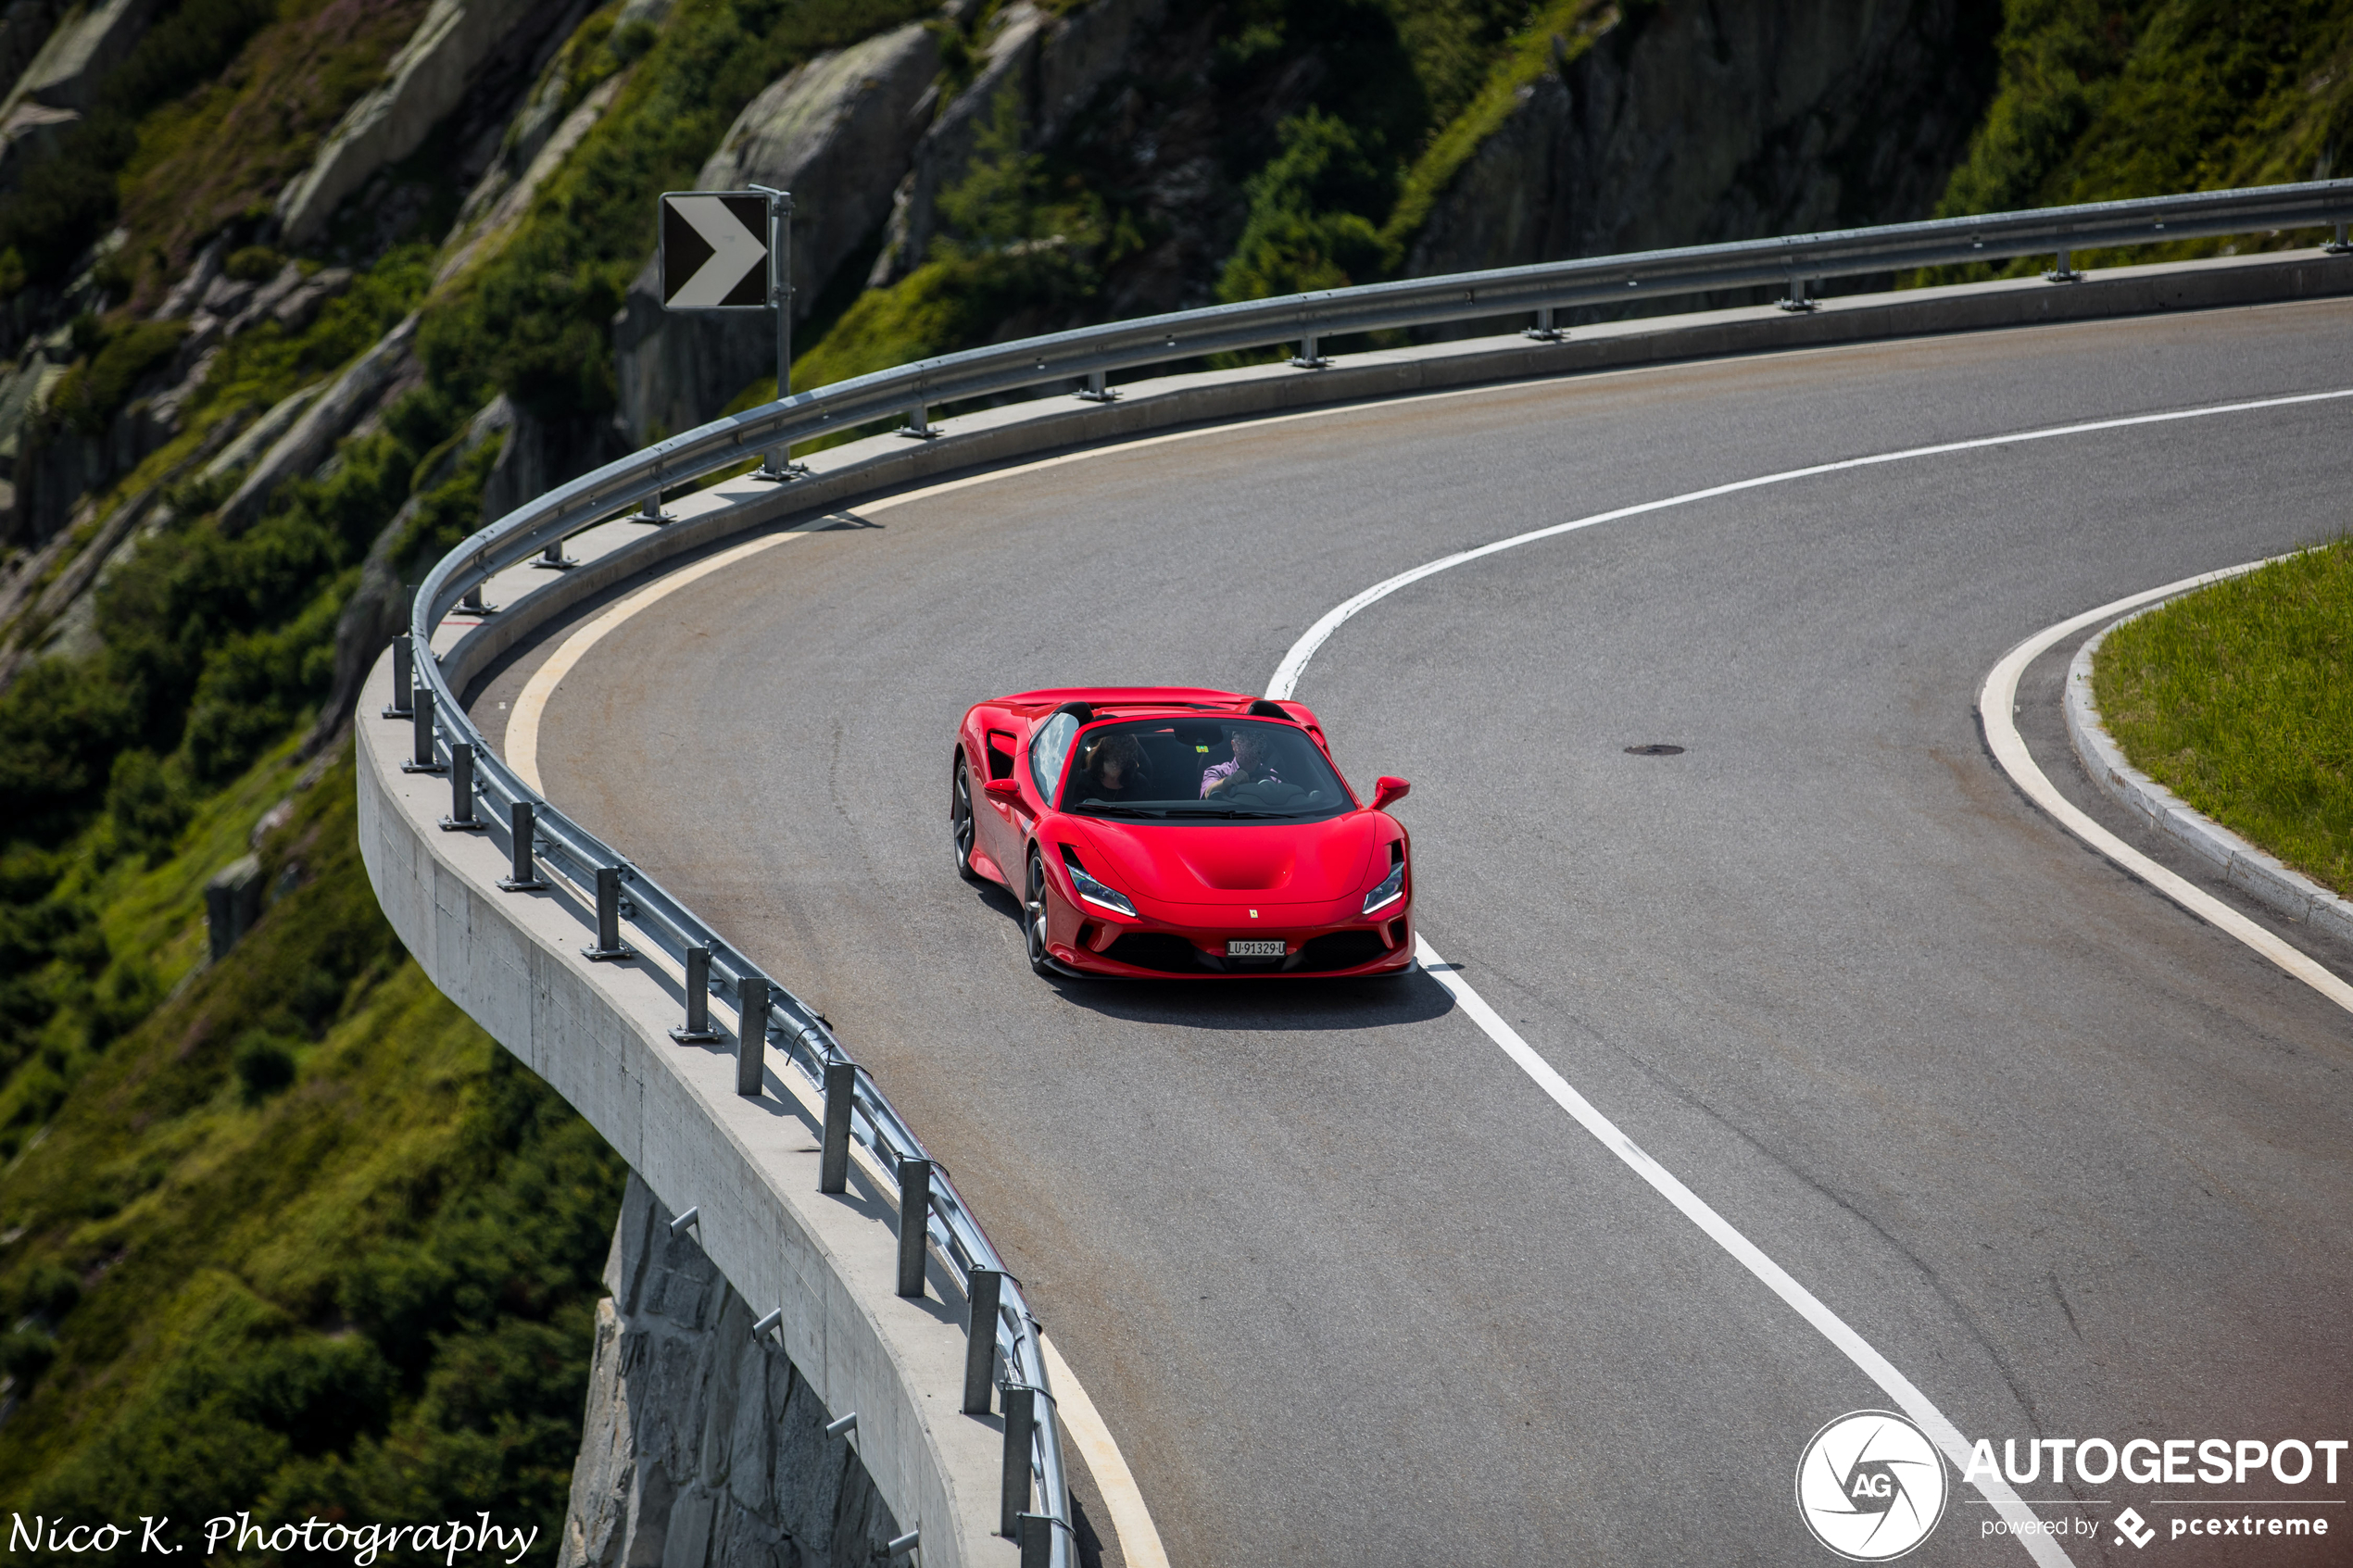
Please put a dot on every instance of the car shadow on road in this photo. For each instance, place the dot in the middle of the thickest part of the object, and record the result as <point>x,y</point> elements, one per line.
<point>1262,1002</point>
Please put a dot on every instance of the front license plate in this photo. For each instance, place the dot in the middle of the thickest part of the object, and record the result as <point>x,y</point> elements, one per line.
<point>1253,948</point>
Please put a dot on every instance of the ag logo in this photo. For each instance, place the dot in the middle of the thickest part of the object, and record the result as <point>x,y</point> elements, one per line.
<point>1870,1486</point>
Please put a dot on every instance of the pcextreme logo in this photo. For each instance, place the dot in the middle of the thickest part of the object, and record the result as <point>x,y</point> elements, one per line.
<point>1870,1485</point>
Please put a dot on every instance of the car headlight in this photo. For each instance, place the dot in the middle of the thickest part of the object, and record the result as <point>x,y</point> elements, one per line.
<point>1391,889</point>
<point>1095,892</point>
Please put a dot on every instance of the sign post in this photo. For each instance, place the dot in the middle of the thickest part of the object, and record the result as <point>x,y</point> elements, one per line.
<point>712,244</point>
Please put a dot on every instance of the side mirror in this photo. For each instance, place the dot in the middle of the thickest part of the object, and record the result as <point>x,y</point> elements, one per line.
<point>1387,792</point>
<point>1005,789</point>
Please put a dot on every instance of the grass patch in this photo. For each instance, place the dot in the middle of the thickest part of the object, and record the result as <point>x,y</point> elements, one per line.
<point>2239,699</point>
<point>306,1240</point>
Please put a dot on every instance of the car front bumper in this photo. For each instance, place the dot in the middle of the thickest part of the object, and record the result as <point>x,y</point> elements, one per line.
<point>1149,949</point>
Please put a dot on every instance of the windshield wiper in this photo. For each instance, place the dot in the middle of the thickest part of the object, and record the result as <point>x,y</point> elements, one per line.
<point>1228,812</point>
<point>1095,807</point>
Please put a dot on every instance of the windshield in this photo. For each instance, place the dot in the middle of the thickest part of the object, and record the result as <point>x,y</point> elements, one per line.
<point>1221,770</point>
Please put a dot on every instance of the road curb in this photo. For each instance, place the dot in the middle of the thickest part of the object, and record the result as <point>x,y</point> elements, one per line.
<point>2264,877</point>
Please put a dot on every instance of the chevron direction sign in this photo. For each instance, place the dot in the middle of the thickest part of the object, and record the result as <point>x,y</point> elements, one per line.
<point>714,251</point>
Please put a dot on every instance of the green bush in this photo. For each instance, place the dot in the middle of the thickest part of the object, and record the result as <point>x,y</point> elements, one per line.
<point>61,723</point>
<point>1307,228</point>
<point>2099,102</point>
<point>88,397</point>
<point>26,1353</point>
<point>254,264</point>
<point>148,803</point>
<point>264,1064</point>
<point>48,1291</point>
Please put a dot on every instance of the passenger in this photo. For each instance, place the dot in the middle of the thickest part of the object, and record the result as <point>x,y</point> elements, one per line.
<point>1115,770</point>
<point>1249,765</point>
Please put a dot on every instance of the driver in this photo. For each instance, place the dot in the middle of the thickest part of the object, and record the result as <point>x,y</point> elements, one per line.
<point>1249,765</point>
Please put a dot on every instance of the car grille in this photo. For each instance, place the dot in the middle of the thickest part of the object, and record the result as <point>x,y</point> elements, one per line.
<point>1339,950</point>
<point>1157,950</point>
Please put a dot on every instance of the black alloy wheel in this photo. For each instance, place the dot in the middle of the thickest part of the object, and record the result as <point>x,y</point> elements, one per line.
<point>960,821</point>
<point>1033,912</point>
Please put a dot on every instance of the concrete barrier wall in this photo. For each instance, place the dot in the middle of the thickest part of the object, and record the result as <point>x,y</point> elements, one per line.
<point>597,1034</point>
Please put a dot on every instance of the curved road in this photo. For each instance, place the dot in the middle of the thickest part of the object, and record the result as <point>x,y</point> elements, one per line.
<point>1348,1288</point>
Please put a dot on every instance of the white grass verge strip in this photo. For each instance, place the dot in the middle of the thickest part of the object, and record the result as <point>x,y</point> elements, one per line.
<point>1998,705</point>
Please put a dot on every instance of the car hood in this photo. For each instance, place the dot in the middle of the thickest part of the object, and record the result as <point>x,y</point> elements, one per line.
<point>1224,863</point>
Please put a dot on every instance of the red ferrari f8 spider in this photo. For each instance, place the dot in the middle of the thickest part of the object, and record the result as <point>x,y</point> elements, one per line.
<point>1156,831</point>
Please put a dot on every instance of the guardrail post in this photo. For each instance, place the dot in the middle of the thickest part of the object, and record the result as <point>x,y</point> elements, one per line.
<point>1307,358</point>
<point>841,1089</point>
<point>651,510</point>
<point>2338,246</point>
<point>404,676</point>
<point>1095,391</point>
<point>461,818</point>
<point>2065,271</point>
<point>522,873</point>
<point>1543,330</point>
<point>421,759</point>
<point>1037,1540</point>
<point>914,1223</point>
<point>609,946</point>
<point>473,601</point>
<point>1797,300</point>
<point>697,1030</point>
<point>751,1032</point>
<point>918,426</point>
<point>985,1291</point>
<point>553,559</point>
<point>1021,1414</point>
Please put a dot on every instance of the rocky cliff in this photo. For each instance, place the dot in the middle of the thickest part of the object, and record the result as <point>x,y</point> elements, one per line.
<point>703,1444</point>
<point>1689,123</point>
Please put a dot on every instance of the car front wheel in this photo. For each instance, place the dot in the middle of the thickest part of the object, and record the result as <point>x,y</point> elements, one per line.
<point>1033,912</point>
<point>960,821</point>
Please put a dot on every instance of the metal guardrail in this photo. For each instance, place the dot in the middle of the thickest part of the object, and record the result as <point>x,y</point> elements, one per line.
<point>446,737</point>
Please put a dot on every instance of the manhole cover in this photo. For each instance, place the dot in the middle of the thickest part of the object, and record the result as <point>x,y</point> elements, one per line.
<point>1656,748</point>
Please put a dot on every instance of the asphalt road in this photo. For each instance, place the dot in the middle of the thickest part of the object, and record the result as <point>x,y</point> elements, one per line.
<point>1346,1287</point>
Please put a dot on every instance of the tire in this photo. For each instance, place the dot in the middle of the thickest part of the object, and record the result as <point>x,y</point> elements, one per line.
<point>1033,920</point>
<point>960,821</point>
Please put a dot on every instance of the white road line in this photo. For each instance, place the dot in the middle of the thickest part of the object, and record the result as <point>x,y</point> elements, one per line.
<point>1878,1368</point>
<point>1286,674</point>
<point>1914,1403</point>
<point>521,745</point>
<point>1996,704</point>
<point>1131,1520</point>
